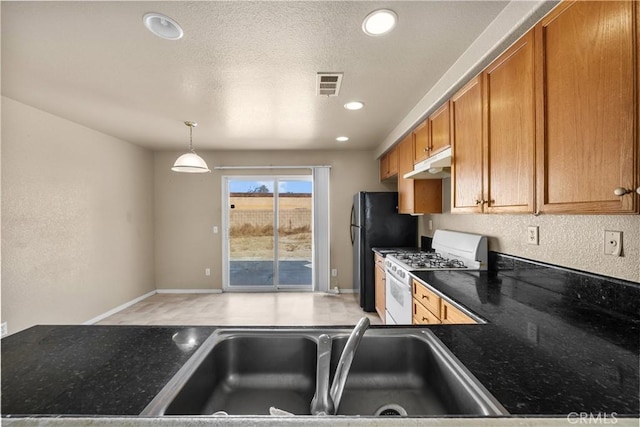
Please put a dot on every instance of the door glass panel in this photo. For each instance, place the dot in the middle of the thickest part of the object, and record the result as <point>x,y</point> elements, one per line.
<point>251,233</point>
<point>294,242</point>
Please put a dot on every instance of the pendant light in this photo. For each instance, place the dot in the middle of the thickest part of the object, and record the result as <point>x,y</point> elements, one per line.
<point>190,162</point>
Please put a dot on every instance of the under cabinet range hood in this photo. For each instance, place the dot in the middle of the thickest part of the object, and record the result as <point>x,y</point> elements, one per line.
<point>437,166</point>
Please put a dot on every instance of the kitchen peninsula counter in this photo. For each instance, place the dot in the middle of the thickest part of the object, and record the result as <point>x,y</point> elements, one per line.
<point>551,348</point>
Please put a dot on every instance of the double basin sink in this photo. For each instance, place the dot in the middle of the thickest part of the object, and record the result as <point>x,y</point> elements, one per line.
<point>405,372</point>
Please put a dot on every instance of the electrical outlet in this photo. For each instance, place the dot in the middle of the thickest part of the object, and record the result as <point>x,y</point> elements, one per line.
<point>215,229</point>
<point>613,243</point>
<point>532,235</point>
<point>334,272</point>
<point>430,225</point>
<point>207,272</point>
<point>3,329</point>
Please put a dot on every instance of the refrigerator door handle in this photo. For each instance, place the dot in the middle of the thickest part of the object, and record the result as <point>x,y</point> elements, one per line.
<point>351,230</point>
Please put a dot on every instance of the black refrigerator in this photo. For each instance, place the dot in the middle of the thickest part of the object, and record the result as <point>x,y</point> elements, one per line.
<point>375,222</point>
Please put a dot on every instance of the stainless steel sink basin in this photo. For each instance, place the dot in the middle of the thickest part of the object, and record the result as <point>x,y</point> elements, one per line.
<point>395,371</point>
<point>410,374</point>
<point>243,374</point>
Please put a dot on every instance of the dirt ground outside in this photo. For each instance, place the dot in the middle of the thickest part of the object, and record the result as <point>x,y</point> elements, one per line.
<point>251,230</point>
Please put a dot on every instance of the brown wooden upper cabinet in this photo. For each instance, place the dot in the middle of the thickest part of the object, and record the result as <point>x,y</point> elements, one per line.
<point>587,107</point>
<point>509,130</point>
<point>389,164</point>
<point>493,136</point>
<point>415,195</point>
<point>432,135</point>
<point>466,148</point>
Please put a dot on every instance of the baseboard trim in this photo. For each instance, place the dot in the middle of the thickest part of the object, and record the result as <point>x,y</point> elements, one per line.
<point>119,308</point>
<point>189,291</point>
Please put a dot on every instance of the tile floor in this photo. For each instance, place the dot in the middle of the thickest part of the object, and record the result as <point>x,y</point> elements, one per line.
<point>243,309</point>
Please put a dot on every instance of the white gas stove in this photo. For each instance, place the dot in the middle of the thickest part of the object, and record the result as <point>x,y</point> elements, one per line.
<point>452,251</point>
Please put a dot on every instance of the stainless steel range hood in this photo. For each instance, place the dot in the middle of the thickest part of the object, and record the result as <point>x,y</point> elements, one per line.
<point>437,166</point>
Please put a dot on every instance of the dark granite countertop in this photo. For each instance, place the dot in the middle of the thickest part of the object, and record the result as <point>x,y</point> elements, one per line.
<point>91,370</point>
<point>555,343</point>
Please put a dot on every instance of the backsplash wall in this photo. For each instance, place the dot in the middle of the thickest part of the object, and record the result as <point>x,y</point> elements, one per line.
<point>573,241</point>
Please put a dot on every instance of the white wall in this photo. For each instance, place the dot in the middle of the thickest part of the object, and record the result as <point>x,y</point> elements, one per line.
<point>187,206</point>
<point>77,219</point>
<point>574,241</point>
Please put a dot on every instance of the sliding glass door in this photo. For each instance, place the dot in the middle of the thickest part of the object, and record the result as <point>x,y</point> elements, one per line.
<point>268,233</point>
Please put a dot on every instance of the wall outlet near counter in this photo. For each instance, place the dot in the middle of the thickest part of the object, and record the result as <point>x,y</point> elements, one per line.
<point>207,272</point>
<point>334,272</point>
<point>3,329</point>
<point>613,243</point>
<point>532,235</point>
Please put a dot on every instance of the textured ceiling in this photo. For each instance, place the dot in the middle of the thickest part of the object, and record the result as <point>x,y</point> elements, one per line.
<point>245,71</point>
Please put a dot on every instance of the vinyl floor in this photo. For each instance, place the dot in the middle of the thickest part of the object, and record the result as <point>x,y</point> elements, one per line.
<point>243,309</point>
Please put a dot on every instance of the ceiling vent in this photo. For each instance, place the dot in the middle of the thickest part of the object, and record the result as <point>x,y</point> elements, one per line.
<point>328,84</point>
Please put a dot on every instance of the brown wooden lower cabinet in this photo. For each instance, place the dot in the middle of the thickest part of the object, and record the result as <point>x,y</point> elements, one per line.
<point>430,309</point>
<point>380,287</point>
<point>451,315</point>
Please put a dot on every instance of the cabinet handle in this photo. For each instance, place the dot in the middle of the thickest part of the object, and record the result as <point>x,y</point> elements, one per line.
<point>482,202</point>
<point>425,149</point>
<point>424,318</point>
<point>424,296</point>
<point>621,191</point>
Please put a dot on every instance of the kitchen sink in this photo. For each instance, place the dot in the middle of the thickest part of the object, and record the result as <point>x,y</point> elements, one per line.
<point>400,371</point>
<point>410,374</point>
<point>244,374</point>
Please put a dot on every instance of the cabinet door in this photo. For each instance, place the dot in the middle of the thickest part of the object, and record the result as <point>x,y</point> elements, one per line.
<point>439,129</point>
<point>466,148</point>
<point>451,315</point>
<point>421,142</point>
<point>392,162</point>
<point>380,291</point>
<point>587,118</point>
<point>509,130</point>
<point>405,165</point>
<point>384,167</point>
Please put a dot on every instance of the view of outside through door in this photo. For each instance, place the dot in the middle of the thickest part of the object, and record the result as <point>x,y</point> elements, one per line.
<point>258,256</point>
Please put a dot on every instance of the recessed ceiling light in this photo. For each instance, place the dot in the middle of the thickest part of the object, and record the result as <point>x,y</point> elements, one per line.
<point>379,22</point>
<point>162,26</point>
<point>354,105</point>
<point>342,138</point>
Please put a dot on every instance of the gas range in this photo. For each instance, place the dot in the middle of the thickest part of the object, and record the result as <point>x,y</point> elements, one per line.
<point>427,261</point>
<point>452,251</point>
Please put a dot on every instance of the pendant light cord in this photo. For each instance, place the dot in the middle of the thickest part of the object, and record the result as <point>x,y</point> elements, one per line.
<point>191,139</point>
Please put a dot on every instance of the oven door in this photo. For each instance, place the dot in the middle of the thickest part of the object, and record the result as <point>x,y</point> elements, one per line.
<point>398,302</point>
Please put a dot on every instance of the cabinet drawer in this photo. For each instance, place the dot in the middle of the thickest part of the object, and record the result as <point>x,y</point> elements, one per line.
<point>427,298</point>
<point>451,315</point>
<point>422,316</point>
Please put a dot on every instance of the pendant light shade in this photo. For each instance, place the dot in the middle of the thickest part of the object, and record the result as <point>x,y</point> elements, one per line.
<point>190,162</point>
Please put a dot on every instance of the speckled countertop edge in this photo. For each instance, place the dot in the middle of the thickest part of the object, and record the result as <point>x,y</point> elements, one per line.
<point>307,421</point>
